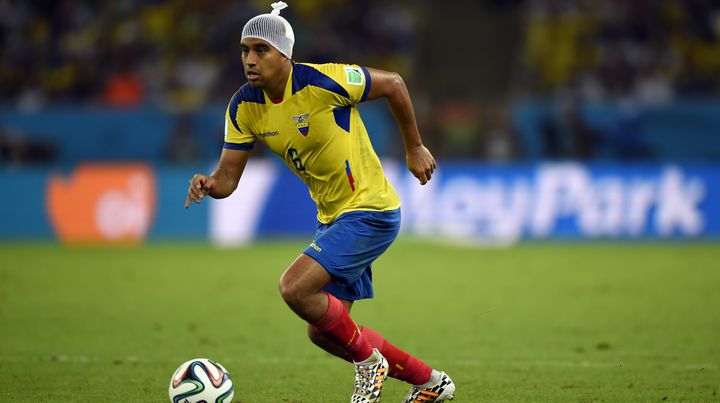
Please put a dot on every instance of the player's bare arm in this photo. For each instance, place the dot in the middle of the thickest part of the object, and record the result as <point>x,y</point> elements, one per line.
<point>223,181</point>
<point>389,85</point>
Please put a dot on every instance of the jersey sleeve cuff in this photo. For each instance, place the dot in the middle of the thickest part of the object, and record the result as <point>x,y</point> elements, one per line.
<point>236,146</point>
<point>368,82</point>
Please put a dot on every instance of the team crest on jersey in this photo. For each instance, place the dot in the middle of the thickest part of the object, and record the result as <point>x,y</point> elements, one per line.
<point>302,124</point>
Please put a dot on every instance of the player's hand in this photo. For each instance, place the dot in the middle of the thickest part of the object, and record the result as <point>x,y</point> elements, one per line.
<point>421,163</point>
<point>200,186</point>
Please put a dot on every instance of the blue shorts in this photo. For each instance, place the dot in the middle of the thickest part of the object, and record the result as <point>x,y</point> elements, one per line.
<point>347,247</point>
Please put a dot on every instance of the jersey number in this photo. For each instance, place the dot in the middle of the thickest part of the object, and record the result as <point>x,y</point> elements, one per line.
<point>294,157</point>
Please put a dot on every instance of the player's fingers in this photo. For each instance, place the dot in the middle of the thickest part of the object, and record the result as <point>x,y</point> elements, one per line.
<point>205,185</point>
<point>192,192</point>
<point>187,201</point>
<point>195,194</point>
<point>198,181</point>
<point>421,177</point>
<point>198,194</point>
<point>197,198</point>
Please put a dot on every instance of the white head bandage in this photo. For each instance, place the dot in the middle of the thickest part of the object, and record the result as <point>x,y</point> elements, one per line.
<point>272,28</point>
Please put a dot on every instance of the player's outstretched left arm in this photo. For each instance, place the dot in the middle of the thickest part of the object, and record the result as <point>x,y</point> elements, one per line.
<point>389,85</point>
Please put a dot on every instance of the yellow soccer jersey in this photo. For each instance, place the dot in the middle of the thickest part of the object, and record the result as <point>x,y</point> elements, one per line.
<point>317,131</point>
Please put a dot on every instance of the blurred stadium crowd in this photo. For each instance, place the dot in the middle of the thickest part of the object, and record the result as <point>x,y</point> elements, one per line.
<point>650,50</point>
<point>175,53</point>
<point>180,55</point>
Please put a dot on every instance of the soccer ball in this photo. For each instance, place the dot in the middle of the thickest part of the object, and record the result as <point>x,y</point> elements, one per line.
<point>201,381</point>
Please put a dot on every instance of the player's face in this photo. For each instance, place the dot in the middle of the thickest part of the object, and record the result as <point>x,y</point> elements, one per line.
<point>263,63</point>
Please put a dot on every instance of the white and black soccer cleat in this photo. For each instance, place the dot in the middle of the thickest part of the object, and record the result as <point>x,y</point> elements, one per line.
<point>440,391</point>
<point>369,379</point>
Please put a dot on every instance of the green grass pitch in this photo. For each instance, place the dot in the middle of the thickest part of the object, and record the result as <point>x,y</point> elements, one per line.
<point>531,323</point>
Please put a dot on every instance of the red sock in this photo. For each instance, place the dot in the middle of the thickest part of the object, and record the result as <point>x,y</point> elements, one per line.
<point>339,328</point>
<point>403,366</point>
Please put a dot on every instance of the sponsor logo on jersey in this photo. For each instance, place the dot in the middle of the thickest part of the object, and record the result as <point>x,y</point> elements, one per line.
<point>354,76</point>
<point>302,124</point>
<point>269,134</point>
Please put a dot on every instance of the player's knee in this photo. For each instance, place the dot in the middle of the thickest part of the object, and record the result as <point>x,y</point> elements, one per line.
<point>290,293</point>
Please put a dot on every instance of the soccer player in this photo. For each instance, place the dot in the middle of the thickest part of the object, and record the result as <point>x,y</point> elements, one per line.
<point>307,115</point>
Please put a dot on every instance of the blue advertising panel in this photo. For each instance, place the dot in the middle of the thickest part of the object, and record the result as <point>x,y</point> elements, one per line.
<point>567,201</point>
<point>472,202</point>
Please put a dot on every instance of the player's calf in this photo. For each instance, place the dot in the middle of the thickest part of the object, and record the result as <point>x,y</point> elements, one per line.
<point>317,338</point>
